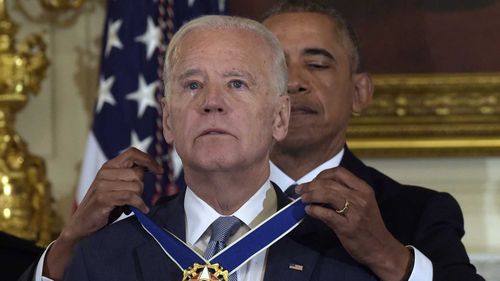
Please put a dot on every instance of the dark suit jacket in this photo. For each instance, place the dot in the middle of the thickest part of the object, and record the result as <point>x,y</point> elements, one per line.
<point>15,255</point>
<point>429,220</point>
<point>124,251</point>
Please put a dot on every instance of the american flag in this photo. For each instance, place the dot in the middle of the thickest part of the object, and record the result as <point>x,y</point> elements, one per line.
<point>127,111</point>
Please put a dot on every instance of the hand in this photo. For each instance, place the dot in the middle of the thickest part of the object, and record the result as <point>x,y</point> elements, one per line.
<point>361,229</point>
<point>118,183</point>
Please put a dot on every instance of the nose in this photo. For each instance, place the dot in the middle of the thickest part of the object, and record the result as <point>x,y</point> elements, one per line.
<point>214,101</point>
<point>296,82</point>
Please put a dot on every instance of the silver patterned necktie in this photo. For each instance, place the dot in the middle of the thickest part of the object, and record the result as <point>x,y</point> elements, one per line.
<point>222,228</point>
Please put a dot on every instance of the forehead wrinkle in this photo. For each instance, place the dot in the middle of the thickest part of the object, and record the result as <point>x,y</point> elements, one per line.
<point>191,72</point>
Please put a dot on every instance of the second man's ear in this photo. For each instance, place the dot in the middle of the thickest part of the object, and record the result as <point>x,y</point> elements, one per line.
<point>363,92</point>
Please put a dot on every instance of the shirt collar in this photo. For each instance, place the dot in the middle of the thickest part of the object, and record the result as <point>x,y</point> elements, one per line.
<point>199,215</point>
<point>284,181</point>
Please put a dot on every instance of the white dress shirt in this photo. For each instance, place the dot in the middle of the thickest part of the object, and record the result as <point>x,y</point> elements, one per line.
<point>422,266</point>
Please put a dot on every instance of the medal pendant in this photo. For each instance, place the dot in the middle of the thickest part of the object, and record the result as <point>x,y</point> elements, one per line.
<point>205,272</point>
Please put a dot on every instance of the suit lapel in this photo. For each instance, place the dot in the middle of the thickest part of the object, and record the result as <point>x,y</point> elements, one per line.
<point>168,214</point>
<point>288,260</point>
<point>355,166</point>
<point>153,264</point>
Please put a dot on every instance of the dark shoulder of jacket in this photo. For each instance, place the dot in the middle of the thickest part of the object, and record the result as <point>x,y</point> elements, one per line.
<point>162,201</point>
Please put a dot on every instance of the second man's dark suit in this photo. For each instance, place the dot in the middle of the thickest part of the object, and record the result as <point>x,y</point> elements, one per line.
<point>431,221</point>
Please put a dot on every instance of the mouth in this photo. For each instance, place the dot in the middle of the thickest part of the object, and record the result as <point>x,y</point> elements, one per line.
<point>301,109</point>
<point>213,132</point>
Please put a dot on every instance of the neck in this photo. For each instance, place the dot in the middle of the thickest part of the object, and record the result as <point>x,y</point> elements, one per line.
<point>227,191</point>
<point>296,162</point>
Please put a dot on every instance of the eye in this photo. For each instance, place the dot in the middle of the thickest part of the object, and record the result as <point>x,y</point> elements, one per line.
<point>237,84</point>
<point>317,65</point>
<point>193,85</point>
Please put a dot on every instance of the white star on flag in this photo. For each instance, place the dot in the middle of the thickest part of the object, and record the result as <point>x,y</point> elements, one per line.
<point>113,38</point>
<point>142,145</point>
<point>144,96</point>
<point>105,95</point>
<point>151,38</point>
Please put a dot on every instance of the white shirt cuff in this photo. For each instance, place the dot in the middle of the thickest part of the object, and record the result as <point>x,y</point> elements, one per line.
<point>422,267</point>
<point>39,267</point>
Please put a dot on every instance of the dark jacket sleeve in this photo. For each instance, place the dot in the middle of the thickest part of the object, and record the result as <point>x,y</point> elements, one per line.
<point>17,256</point>
<point>76,269</point>
<point>440,230</point>
<point>29,273</point>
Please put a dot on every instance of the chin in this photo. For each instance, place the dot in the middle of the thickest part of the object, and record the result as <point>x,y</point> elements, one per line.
<point>214,161</point>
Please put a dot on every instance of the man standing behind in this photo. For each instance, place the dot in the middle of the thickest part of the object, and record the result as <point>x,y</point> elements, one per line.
<point>225,107</point>
<point>379,216</point>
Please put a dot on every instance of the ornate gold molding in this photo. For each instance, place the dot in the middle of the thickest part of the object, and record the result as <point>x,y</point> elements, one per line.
<point>25,201</point>
<point>430,115</point>
<point>62,4</point>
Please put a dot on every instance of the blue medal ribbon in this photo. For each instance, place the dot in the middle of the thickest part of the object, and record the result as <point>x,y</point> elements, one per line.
<point>238,253</point>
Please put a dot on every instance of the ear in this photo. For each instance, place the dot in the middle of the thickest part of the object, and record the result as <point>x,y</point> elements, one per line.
<point>363,92</point>
<point>167,121</point>
<point>281,118</point>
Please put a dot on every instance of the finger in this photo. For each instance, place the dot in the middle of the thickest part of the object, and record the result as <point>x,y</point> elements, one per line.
<point>121,174</point>
<point>327,215</point>
<point>134,157</point>
<point>107,201</point>
<point>320,183</point>
<point>325,193</point>
<point>129,198</point>
<point>103,186</point>
<point>345,177</point>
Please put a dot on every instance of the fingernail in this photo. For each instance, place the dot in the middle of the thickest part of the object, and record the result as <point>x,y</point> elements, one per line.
<point>298,189</point>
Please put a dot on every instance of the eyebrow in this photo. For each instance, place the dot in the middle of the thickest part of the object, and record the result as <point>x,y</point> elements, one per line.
<point>191,72</point>
<point>318,52</point>
<point>240,73</point>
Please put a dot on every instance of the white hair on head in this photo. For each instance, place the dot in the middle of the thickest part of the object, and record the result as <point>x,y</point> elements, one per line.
<point>279,83</point>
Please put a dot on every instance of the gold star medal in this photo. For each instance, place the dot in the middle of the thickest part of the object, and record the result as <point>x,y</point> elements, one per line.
<point>205,272</point>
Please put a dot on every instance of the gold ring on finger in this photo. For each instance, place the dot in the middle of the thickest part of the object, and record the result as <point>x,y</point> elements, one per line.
<point>344,210</point>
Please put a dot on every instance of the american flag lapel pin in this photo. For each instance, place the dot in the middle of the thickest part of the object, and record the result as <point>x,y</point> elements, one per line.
<point>297,267</point>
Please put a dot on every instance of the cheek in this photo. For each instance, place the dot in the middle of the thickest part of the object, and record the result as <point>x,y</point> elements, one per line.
<point>179,123</point>
<point>335,94</point>
<point>261,124</point>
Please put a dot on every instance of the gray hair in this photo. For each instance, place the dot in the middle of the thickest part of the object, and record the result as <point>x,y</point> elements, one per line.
<point>344,30</point>
<point>278,63</point>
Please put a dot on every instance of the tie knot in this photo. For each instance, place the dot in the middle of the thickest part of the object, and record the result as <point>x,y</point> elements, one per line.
<point>290,191</point>
<point>223,228</point>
